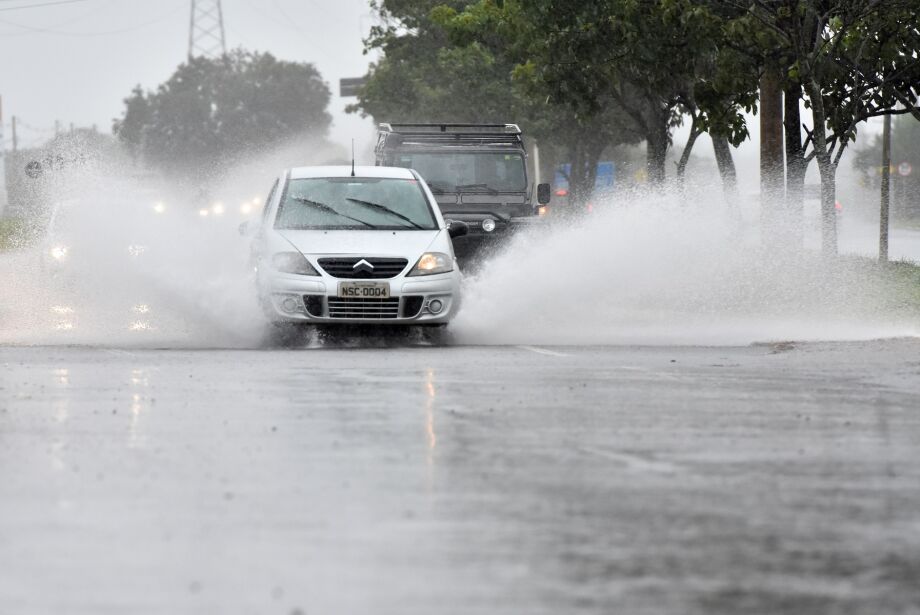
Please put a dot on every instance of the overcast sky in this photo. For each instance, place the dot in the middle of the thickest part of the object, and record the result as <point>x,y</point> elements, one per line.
<point>76,60</point>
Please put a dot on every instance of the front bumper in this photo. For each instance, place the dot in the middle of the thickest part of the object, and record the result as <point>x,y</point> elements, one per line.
<point>424,300</point>
<point>504,225</point>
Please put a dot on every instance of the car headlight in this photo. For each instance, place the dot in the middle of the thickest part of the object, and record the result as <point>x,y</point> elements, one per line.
<point>293,262</point>
<point>432,263</point>
<point>59,253</point>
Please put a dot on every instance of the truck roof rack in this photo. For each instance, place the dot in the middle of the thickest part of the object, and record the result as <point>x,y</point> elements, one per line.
<point>456,134</point>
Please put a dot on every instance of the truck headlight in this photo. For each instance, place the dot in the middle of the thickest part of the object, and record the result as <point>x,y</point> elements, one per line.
<point>293,262</point>
<point>432,263</point>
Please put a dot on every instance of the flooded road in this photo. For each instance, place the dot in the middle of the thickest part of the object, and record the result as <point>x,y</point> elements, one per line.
<point>763,479</point>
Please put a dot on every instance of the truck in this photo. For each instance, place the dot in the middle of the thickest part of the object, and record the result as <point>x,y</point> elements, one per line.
<point>477,172</point>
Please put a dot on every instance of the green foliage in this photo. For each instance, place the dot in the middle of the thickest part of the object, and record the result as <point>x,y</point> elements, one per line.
<point>212,111</point>
<point>856,58</point>
<point>608,70</point>
<point>15,233</point>
<point>422,77</point>
<point>467,61</point>
<point>647,62</point>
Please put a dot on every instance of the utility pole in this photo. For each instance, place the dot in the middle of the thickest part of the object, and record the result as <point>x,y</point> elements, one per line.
<point>15,140</point>
<point>4,198</point>
<point>206,37</point>
<point>886,192</point>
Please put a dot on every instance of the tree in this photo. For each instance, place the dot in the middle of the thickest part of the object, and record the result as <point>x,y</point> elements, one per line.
<point>210,112</point>
<point>854,60</point>
<point>465,62</point>
<point>650,62</point>
<point>584,125</point>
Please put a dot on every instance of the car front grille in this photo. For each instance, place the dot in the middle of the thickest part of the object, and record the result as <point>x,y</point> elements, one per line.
<point>362,308</point>
<point>379,269</point>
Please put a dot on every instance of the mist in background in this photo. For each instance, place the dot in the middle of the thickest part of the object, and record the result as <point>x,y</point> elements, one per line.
<point>76,63</point>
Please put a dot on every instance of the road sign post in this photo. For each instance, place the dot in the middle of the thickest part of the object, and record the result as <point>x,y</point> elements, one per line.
<point>4,198</point>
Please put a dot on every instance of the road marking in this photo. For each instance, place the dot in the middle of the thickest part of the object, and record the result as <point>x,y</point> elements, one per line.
<point>544,351</point>
<point>632,461</point>
<point>645,370</point>
<point>120,353</point>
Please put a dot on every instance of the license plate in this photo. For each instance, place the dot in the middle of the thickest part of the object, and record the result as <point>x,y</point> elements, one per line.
<point>364,290</point>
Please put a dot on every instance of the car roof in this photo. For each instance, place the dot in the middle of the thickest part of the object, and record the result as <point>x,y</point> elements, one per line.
<point>345,171</point>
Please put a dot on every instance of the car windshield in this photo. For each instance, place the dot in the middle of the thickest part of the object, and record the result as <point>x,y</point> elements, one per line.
<point>357,203</point>
<point>468,172</point>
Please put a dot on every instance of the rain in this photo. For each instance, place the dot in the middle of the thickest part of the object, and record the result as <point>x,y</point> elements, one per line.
<point>459,307</point>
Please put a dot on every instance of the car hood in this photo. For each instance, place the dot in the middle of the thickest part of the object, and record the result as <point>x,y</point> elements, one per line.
<point>409,244</point>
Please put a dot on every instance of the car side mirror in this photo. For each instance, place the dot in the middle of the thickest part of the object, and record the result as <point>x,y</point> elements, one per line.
<point>544,194</point>
<point>456,228</point>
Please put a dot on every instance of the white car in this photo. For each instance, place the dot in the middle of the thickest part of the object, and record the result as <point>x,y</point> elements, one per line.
<point>365,245</point>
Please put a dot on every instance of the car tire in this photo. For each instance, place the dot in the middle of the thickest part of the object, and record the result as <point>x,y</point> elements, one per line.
<point>435,335</point>
<point>290,334</point>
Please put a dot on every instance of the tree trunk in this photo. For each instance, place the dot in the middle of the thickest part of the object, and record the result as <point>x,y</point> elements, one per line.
<point>827,169</point>
<point>795,161</point>
<point>688,149</point>
<point>726,164</point>
<point>828,172</point>
<point>656,145</point>
<point>771,156</point>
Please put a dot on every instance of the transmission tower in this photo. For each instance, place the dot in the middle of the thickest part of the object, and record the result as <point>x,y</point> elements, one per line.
<point>206,37</point>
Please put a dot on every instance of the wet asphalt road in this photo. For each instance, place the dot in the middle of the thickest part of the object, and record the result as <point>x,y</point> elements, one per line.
<point>762,479</point>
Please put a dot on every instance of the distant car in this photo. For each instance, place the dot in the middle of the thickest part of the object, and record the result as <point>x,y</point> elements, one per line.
<point>95,255</point>
<point>86,236</point>
<point>368,245</point>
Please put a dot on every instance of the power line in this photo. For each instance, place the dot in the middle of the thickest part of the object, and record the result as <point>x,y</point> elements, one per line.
<point>90,34</point>
<point>38,6</point>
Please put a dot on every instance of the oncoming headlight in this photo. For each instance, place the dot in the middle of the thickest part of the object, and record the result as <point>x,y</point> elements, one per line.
<point>432,263</point>
<point>293,262</point>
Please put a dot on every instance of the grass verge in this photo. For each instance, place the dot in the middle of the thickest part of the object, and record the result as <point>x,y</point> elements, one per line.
<point>905,279</point>
<point>15,233</point>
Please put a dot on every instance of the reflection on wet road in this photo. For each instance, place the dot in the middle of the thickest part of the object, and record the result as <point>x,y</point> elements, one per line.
<point>461,480</point>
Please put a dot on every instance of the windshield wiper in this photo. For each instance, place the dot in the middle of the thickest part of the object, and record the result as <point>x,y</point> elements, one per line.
<point>386,210</point>
<point>331,210</point>
<point>484,187</point>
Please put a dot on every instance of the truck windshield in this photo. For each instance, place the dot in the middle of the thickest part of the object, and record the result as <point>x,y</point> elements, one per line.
<point>357,203</point>
<point>467,172</point>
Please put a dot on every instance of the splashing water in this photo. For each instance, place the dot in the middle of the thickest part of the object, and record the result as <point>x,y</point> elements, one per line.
<point>136,268</point>
<point>642,270</point>
<point>134,261</point>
